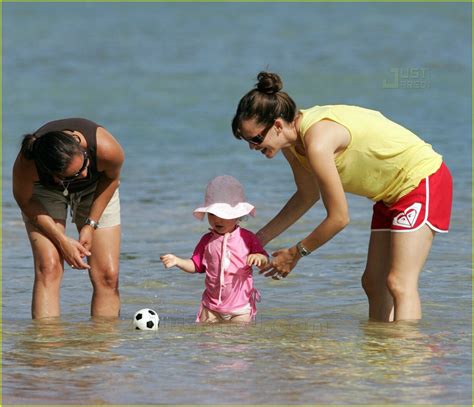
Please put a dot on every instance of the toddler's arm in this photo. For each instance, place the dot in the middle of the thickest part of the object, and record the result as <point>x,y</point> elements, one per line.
<point>170,260</point>
<point>257,259</point>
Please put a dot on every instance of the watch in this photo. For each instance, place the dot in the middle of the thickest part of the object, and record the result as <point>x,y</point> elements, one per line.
<point>92,223</point>
<point>302,250</point>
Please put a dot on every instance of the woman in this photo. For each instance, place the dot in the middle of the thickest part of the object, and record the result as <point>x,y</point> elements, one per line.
<point>336,149</point>
<point>71,163</point>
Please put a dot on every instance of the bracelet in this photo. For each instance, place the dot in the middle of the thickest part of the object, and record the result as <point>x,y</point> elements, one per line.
<point>303,251</point>
<point>92,223</point>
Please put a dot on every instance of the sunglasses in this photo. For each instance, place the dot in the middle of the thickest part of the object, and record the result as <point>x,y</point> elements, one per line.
<point>85,163</point>
<point>259,138</point>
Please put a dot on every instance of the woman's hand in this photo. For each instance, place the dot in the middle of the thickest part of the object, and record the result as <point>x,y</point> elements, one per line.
<point>74,252</point>
<point>85,237</point>
<point>284,260</point>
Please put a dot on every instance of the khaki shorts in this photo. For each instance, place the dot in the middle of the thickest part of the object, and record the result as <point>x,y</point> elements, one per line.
<point>79,203</point>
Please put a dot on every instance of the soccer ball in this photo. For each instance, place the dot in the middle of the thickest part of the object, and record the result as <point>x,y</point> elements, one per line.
<point>146,319</point>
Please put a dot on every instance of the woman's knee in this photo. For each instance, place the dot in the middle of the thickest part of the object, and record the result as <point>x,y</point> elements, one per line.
<point>399,286</point>
<point>105,277</point>
<point>369,284</point>
<point>48,269</point>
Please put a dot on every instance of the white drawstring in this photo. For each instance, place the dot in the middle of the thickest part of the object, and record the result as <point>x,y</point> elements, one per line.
<point>223,266</point>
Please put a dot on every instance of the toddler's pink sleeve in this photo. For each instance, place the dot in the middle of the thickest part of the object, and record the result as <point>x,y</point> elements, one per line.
<point>198,254</point>
<point>254,244</point>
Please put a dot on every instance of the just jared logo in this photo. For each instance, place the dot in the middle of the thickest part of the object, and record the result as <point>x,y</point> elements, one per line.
<point>408,78</point>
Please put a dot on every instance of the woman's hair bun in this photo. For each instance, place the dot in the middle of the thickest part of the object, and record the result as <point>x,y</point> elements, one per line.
<point>268,83</point>
<point>28,146</point>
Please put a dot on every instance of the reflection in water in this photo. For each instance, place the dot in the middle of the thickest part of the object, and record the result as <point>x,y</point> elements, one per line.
<point>55,344</point>
<point>297,361</point>
<point>402,343</point>
<point>47,352</point>
<point>401,353</point>
<point>319,359</point>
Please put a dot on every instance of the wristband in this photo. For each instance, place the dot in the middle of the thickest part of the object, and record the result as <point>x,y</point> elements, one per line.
<point>303,251</point>
<point>92,223</point>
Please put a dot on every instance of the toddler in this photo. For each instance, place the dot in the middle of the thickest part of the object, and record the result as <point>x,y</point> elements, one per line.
<point>226,254</point>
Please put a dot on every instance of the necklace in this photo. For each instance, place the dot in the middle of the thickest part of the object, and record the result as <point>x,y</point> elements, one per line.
<point>65,192</point>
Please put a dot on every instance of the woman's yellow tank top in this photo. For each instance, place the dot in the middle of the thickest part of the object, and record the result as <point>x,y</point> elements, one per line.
<point>383,161</point>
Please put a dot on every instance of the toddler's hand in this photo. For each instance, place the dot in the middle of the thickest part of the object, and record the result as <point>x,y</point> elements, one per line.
<point>257,259</point>
<point>169,260</point>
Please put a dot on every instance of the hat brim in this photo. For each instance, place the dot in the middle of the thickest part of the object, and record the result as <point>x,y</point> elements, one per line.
<point>225,211</point>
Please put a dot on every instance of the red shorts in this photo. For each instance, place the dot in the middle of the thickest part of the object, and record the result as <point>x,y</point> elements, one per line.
<point>429,203</point>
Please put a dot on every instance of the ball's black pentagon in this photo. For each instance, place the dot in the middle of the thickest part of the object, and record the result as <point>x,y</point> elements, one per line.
<point>151,312</point>
<point>137,328</point>
<point>149,324</point>
<point>138,317</point>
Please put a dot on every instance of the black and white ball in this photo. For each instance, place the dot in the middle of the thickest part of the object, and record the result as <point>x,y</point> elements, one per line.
<point>146,319</point>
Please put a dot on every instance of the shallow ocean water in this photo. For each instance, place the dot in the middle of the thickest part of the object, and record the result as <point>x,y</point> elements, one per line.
<point>165,79</point>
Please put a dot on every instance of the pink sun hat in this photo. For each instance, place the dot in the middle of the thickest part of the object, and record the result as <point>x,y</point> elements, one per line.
<point>225,198</point>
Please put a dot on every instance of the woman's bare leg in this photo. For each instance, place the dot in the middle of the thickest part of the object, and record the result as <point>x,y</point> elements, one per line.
<point>374,280</point>
<point>104,272</point>
<point>49,270</point>
<point>409,252</point>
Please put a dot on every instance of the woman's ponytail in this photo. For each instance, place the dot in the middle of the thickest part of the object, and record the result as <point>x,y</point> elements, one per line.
<point>28,146</point>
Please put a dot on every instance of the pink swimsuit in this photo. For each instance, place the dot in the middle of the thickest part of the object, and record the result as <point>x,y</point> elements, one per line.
<point>229,282</point>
